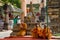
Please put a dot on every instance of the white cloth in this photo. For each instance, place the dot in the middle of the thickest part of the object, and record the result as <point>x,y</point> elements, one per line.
<point>41,24</point>
<point>4,34</point>
<point>47,19</point>
<point>1,23</point>
<point>37,18</point>
<point>29,14</point>
<point>11,24</point>
<point>19,21</point>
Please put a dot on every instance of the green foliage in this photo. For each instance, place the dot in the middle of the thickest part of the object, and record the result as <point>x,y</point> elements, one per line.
<point>58,34</point>
<point>16,3</point>
<point>34,5</point>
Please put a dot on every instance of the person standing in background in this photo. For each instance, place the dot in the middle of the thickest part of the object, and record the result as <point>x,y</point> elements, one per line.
<point>11,22</point>
<point>19,20</point>
<point>1,23</point>
<point>15,20</point>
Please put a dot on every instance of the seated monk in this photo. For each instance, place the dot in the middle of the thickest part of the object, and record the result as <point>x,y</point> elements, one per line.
<point>46,33</point>
<point>23,28</point>
<point>49,33</point>
<point>37,32</point>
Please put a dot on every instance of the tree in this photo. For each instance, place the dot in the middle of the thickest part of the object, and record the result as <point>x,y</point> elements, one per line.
<point>16,3</point>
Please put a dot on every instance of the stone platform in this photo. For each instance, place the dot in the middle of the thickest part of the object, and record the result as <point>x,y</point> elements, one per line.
<point>30,38</point>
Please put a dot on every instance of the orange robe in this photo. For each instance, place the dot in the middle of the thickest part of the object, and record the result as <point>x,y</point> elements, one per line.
<point>46,33</point>
<point>23,28</point>
<point>36,32</point>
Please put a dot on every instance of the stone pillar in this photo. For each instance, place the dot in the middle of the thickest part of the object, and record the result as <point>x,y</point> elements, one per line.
<point>45,3</point>
<point>23,7</point>
<point>22,16</point>
<point>6,11</point>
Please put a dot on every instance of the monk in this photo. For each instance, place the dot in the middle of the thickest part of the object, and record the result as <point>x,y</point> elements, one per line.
<point>37,32</point>
<point>23,28</point>
<point>46,33</point>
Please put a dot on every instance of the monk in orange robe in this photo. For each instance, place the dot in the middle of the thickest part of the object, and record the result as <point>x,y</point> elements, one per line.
<point>23,28</point>
<point>37,32</point>
<point>46,33</point>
